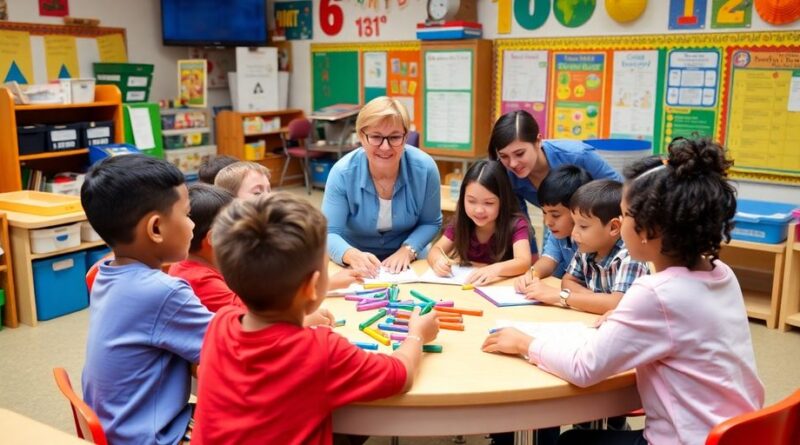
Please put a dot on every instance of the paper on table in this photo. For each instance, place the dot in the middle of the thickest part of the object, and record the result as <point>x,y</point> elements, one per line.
<point>142,128</point>
<point>559,329</point>
<point>504,296</point>
<point>406,276</point>
<point>351,289</point>
<point>459,277</point>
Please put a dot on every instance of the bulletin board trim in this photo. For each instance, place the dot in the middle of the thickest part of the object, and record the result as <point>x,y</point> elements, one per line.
<point>39,29</point>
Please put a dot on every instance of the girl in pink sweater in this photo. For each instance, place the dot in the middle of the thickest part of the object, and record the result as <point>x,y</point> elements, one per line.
<point>684,329</point>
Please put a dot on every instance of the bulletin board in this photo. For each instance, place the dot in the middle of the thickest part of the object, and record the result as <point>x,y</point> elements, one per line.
<point>742,89</point>
<point>37,53</point>
<point>364,71</point>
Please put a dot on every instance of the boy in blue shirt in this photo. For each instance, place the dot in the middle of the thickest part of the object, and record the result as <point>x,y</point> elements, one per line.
<point>145,327</point>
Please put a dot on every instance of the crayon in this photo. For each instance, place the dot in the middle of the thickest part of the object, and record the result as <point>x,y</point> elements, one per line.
<point>339,323</point>
<point>392,327</point>
<point>455,310</point>
<point>396,336</point>
<point>366,345</point>
<point>376,285</point>
<point>381,313</point>
<point>425,348</point>
<point>376,335</point>
<point>420,297</point>
<point>452,326</point>
<point>371,305</point>
<point>467,287</point>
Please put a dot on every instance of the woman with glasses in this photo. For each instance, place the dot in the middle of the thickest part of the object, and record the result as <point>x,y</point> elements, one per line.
<point>382,200</point>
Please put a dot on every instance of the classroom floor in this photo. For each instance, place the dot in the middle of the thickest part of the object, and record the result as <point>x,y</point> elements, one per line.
<point>27,356</point>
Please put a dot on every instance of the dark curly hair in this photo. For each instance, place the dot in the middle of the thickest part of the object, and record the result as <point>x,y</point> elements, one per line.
<point>686,199</point>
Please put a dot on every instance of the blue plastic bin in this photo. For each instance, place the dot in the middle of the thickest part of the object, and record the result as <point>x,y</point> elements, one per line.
<point>618,153</point>
<point>95,255</point>
<point>60,285</point>
<point>761,221</point>
<point>320,168</point>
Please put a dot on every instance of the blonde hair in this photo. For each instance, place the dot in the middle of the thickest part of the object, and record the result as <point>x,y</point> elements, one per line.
<point>380,110</point>
<point>267,247</point>
<point>231,177</point>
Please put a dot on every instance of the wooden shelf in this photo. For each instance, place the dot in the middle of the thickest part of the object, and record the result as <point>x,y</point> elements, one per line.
<point>3,268</point>
<point>267,133</point>
<point>102,103</point>
<point>794,320</point>
<point>54,154</point>
<point>82,246</point>
<point>177,131</point>
<point>757,304</point>
<point>796,247</point>
<point>774,248</point>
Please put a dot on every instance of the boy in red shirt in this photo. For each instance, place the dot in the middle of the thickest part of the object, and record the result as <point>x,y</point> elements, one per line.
<point>264,378</point>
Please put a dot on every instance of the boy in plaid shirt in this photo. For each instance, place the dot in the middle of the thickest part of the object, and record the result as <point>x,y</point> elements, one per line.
<point>601,271</point>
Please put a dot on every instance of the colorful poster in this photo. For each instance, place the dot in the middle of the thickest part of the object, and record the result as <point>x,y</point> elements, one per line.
<point>448,99</point>
<point>293,20</point>
<point>404,79</point>
<point>633,94</point>
<point>689,123</point>
<point>764,112</point>
<point>55,8</point>
<point>731,13</point>
<point>579,83</point>
<point>687,14</point>
<point>218,63</point>
<point>374,74</point>
<point>573,13</point>
<point>15,57</point>
<point>693,78</point>
<point>524,81</point>
<point>112,48</point>
<point>193,82</point>
<point>61,56</point>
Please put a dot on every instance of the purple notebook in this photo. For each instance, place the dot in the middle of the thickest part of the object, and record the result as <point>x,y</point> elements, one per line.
<point>502,296</point>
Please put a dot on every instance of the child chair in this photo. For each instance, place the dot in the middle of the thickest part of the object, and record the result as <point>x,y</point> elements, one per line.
<point>87,424</point>
<point>298,132</point>
<point>778,424</point>
<point>413,139</point>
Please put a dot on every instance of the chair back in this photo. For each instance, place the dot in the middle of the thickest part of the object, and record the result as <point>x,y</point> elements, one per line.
<point>299,129</point>
<point>413,139</point>
<point>778,424</point>
<point>87,424</point>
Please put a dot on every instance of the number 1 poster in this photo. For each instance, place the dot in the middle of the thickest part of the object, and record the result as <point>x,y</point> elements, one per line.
<point>579,86</point>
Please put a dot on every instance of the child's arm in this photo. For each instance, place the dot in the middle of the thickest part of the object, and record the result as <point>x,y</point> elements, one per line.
<point>438,259</point>
<point>421,330</point>
<point>509,268</point>
<point>543,268</point>
<point>344,278</point>
<point>585,300</point>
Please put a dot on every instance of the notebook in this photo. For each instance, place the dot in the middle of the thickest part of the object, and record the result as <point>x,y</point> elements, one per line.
<point>459,277</point>
<point>504,296</point>
<point>406,276</point>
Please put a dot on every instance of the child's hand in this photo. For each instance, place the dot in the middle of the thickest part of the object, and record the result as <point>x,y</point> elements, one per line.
<point>539,291</point>
<point>398,261</point>
<point>508,341</point>
<point>364,263</point>
<point>320,317</point>
<point>522,282</point>
<point>442,267</point>
<point>344,278</point>
<point>602,319</point>
<point>425,326</point>
<point>483,275</point>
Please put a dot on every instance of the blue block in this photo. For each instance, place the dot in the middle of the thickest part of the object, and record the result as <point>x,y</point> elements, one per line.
<point>761,221</point>
<point>60,285</point>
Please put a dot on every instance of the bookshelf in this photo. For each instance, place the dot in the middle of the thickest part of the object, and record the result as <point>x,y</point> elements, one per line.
<point>7,276</point>
<point>179,125</point>
<point>106,107</point>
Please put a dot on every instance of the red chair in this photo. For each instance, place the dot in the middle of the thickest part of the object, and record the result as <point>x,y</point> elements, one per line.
<point>778,424</point>
<point>298,132</point>
<point>87,424</point>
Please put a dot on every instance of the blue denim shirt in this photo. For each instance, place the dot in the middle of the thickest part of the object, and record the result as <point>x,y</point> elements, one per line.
<point>559,250</point>
<point>351,205</point>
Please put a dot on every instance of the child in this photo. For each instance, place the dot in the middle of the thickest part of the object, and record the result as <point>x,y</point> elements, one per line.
<point>488,232</point>
<point>265,378</point>
<point>200,269</point>
<point>209,169</point>
<point>145,327</point>
<point>601,271</point>
<point>684,328</point>
<point>244,179</point>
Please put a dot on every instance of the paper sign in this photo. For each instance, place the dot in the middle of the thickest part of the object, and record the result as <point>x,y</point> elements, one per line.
<point>257,79</point>
<point>112,48</point>
<point>15,57</point>
<point>61,55</point>
<point>142,128</point>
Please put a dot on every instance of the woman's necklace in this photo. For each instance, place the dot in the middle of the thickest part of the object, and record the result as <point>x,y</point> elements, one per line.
<point>384,189</point>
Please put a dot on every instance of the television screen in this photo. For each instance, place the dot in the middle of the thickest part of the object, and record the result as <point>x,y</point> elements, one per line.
<point>214,22</point>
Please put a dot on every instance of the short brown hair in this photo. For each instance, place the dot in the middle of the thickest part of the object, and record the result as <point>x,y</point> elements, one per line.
<point>266,247</point>
<point>211,166</point>
<point>600,198</point>
<point>230,178</point>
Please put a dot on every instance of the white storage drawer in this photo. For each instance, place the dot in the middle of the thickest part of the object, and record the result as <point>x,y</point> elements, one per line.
<point>56,238</point>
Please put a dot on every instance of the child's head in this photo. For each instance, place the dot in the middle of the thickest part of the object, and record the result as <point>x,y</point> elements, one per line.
<point>554,195</point>
<point>209,169</point>
<point>244,179</point>
<point>486,201</point>
<point>595,209</point>
<point>682,209</point>
<point>271,251</point>
<point>206,202</point>
<point>139,205</point>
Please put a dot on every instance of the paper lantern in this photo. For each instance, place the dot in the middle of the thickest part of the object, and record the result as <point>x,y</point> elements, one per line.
<point>624,11</point>
<point>778,12</point>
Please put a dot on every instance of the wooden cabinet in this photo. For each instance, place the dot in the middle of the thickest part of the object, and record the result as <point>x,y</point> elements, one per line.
<point>790,298</point>
<point>106,107</point>
<point>231,139</point>
<point>7,276</point>
<point>759,269</point>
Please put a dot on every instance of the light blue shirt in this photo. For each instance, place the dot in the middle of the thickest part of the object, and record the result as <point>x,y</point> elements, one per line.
<point>145,330</point>
<point>559,250</point>
<point>351,205</point>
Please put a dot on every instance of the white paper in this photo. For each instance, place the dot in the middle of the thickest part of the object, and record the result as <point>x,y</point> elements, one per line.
<point>448,70</point>
<point>448,117</point>
<point>459,277</point>
<point>408,101</point>
<point>504,295</point>
<point>88,54</point>
<point>375,70</point>
<point>142,128</point>
<point>633,94</point>
<point>257,79</point>
<point>794,94</point>
<point>557,330</point>
<point>351,289</point>
<point>525,76</point>
<point>406,276</point>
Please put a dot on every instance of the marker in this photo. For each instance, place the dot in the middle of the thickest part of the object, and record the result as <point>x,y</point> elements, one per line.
<point>395,305</point>
<point>376,335</point>
<point>371,305</point>
<point>371,292</point>
<point>455,310</point>
<point>493,330</point>
<point>394,291</point>
<point>394,320</point>
<point>425,348</point>
<point>339,323</point>
<point>396,336</point>
<point>381,313</point>
<point>427,308</point>
<point>376,285</point>
<point>467,287</point>
<point>392,327</point>
<point>357,298</point>
<point>450,319</point>
<point>366,345</point>
<point>445,304</point>
<point>420,297</point>
<point>452,326</point>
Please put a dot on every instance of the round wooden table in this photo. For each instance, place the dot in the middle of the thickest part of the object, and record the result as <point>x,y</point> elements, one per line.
<point>466,391</point>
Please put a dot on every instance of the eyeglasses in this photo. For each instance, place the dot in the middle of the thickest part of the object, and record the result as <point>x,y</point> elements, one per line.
<point>376,140</point>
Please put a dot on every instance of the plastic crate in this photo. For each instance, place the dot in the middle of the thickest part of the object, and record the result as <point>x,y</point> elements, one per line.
<point>761,221</point>
<point>132,79</point>
<point>618,153</point>
<point>59,285</point>
<point>320,169</point>
<point>185,140</point>
<point>64,137</point>
<point>97,133</point>
<point>32,139</point>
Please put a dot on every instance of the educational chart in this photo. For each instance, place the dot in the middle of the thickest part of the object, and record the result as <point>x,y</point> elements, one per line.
<point>448,99</point>
<point>395,73</point>
<point>764,110</point>
<point>634,94</point>
<point>374,73</point>
<point>692,93</point>
<point>335,77</point>
<point>524,80</point>
<point>579,83</point>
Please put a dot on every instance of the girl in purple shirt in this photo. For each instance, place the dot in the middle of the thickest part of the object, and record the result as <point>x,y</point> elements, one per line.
<point>488,231</point>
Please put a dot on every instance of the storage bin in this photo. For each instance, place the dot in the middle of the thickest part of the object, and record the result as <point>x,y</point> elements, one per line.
<point>81,91</point>
<point>185,140</point>
<point>761,221</point>
<point>56,238</point>
<point>63,137</point>
<point>66,184</point>
<point>39,203</point>
<point>618,153</point>
<point>95,255</point>
<point>59,285</point>
<point>132,79</point>
<point>32,139</point>
<point>188,160</point>
<point>97,133</point>
<point>88,235</point>
<point>255,151</point>
<point>320,168</point>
